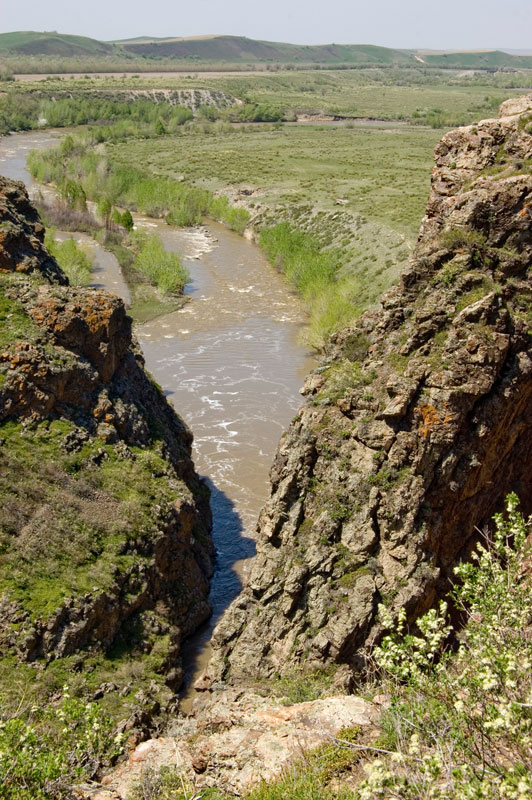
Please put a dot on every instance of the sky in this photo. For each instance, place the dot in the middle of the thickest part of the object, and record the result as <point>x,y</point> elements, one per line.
<point>453,24</point>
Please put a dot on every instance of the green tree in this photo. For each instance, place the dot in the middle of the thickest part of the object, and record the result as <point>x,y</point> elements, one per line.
<point>104,209</point>
<point>127,220</point>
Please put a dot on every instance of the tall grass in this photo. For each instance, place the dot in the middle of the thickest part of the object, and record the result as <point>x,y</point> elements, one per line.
<point>77,161</point>
<point>314,273</point>
<point>72,259</point>
<point>162,269</point>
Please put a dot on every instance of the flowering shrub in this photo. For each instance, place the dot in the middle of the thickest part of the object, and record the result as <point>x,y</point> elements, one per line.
<point>38,761</point>
<point>460,723</point>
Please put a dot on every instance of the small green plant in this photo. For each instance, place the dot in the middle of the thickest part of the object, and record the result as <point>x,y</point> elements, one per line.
<point>342,377</point>
<point>463,239</point>
<point>163,269</point>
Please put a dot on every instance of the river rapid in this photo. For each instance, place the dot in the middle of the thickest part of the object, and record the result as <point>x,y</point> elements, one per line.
<point>230,362</point>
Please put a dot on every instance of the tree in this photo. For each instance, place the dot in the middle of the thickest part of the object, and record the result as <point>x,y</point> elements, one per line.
<point>104,208</point>
<point>127,220</point>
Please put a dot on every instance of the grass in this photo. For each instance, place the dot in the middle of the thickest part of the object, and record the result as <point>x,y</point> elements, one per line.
<point>301,687</point>
<point>72,259</point>
<point>383,174</point>
<point>73,513</point>
<point>15,324</point>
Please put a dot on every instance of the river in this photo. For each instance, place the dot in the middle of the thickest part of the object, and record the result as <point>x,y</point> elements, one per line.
<point>230,361</point>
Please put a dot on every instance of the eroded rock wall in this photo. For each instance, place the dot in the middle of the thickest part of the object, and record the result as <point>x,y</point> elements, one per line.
<point>415,428</point>
<point>105,526</point>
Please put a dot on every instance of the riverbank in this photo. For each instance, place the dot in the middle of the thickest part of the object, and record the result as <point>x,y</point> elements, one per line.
<point>230,361</point>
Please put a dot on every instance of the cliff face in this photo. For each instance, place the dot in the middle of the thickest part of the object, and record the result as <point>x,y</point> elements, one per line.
<point>415,428</point>
<point>105,551</point>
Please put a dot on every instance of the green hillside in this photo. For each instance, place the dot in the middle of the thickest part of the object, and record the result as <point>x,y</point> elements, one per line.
<point>479,59</point>
<point>240,48</point>
<point>225,52</point>
<point>49,43</point>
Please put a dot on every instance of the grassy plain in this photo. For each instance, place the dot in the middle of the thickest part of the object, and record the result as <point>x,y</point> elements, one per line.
<point>359,190</point>
<point>439,97</point>
<point>378,94</point>
<point>383,173</point>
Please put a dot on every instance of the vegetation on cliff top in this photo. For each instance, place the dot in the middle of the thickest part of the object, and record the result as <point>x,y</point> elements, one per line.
<point>72,258</point>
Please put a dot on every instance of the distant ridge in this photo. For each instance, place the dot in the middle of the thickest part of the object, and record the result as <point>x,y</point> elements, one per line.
<point>239,50</point>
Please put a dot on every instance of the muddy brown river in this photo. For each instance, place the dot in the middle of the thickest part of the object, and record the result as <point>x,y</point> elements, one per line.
<point>230,361</point>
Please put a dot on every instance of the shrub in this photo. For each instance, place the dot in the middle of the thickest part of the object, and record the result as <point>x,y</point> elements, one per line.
<point>460,724</point>
<point>162,269</point>
<point>36,763</point>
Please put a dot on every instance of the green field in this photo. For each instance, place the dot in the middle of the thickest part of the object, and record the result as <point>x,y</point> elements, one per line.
<point>382,173</point>
<point>438,99</point>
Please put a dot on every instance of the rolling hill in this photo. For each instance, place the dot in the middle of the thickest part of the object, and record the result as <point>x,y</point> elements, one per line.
<point>51,43</point>
<point>240,50</point>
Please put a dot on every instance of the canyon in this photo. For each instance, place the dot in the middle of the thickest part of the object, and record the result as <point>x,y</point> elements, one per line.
<point>415,427</point>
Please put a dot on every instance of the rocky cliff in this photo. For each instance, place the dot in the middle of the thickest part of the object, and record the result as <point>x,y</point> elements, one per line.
<point>415,427</point>
<point>105,550</point>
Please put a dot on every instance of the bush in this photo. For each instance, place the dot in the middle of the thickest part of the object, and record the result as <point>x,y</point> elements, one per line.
<point>235,218</point>
<point>460,724</point>
<point>332,300</point>
<point>37,763</point>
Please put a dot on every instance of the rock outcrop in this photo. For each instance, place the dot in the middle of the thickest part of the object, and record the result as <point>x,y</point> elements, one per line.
<point>415,428</point>
<point>236,740</point>
<point>105,529</point>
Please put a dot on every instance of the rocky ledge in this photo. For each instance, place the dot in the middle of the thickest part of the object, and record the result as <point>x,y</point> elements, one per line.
<point>416,426</point>
<point>235,740</point>
<point>105,533</point>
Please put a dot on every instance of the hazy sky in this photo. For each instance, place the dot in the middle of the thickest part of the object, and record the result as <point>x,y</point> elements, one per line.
<point>393,23</point>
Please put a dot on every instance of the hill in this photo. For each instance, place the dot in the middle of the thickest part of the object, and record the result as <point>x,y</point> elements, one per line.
<point>240,48</point>
<point>50,43</point>
<point>226,52</point>
<point>479,59</point>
